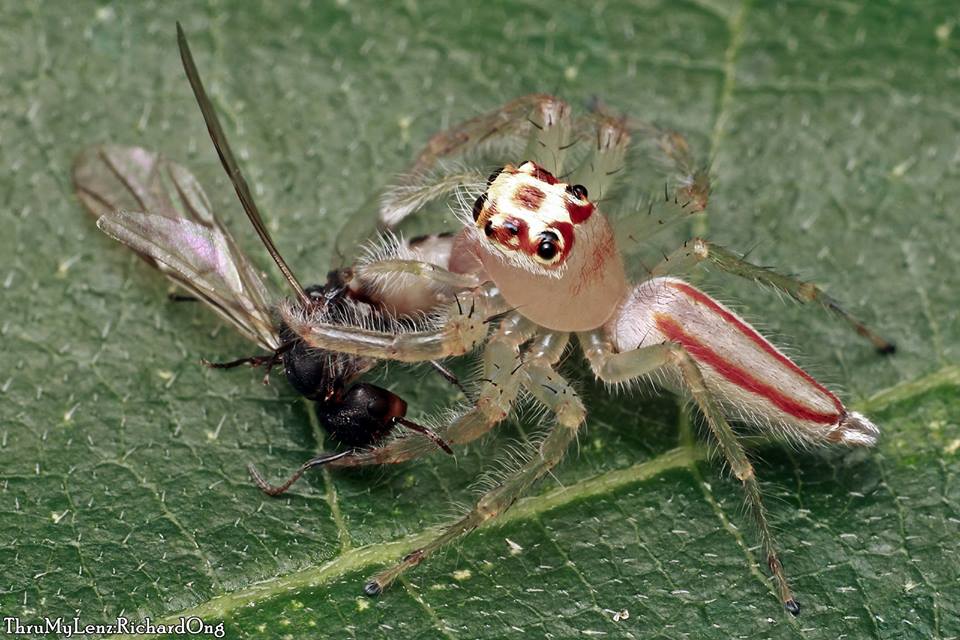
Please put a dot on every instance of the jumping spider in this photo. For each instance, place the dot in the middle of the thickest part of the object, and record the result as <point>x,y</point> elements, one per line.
<point>536,252</point>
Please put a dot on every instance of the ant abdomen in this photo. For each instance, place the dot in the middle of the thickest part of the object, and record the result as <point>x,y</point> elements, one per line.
<point>361,416</point>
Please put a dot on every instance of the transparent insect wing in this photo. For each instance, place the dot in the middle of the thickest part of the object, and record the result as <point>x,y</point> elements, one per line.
<point>158,209</point>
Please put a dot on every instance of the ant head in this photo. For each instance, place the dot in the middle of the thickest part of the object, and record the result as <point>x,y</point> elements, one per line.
<point>530,217</point>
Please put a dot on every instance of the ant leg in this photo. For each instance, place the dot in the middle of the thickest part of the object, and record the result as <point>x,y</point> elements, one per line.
<point>253,361</point>
<point>275,490</point>
<point>553,391</point>
<point>697,250</point>
<point>269,361</point>
<point>461,327</point>
<point>498,391</point>
<point>618,367</point>
<point>427,432</point>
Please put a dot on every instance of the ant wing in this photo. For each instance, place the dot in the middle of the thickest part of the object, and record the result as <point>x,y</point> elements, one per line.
<point>158,209</point>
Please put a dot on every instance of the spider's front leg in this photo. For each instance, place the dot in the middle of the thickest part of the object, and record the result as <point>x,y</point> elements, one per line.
<point>508,126</point>
<point>696,251</point>
<point>459,328</point>
<point>544,383</point>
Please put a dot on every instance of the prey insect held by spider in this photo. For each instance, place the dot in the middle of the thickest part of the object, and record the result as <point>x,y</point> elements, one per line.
<point>158,209</point>
<point>536,251</point>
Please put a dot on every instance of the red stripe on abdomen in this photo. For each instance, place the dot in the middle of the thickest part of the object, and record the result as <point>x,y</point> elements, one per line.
<point>754,337</point>
<point>734,374</point>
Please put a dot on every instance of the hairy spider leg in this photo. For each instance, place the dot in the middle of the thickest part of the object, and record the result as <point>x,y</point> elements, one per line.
<point>498,391</point>
<point>429,272</point>
<point>428,179</point>
<point>551,389</point>
<point>600,169</point>
<point>696,251</point>
<point>551,138</point>
<point>461,326</point>
<point>510,125</point>
<point>614,367</point>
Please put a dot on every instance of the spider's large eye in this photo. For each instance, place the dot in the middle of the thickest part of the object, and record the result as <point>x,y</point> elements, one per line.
<point>548,247</point>
<point>478,206</point>
<point>578,191</point>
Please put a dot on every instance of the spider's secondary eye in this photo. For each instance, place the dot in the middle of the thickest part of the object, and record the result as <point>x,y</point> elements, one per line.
<point>548,247</point>
<point>478,206</point>
<point>488,228</point>
<point>577,190</point>
<point>493,176</point>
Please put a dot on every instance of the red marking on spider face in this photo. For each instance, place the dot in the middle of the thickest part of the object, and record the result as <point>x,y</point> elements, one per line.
<point>529,197</point>
<point>754,337</point>
<point>734,374</point>
<point>512,232</point>
<point>579,212</point>
<point>538,172</point>
<point>565,229</point>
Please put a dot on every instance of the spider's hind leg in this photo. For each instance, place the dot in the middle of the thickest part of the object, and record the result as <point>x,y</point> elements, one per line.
<point>695,251</point>
<point>618,367</point>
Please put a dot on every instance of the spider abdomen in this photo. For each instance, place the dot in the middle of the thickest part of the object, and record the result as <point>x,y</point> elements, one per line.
<point>753,378</point>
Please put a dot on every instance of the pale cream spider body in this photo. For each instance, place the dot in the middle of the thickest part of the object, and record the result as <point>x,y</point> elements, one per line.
<point>538,261</point>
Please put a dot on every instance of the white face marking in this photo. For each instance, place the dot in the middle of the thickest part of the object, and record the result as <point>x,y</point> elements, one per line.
<point>530,217</point>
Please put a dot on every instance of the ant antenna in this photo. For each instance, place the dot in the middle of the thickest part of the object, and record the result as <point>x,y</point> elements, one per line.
<point>230,164</point>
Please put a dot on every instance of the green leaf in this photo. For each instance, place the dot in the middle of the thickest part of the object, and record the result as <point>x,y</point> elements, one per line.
<point>832,130</point>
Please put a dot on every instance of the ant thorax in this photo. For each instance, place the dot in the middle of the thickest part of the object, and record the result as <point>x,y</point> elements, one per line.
<point>551,253</point>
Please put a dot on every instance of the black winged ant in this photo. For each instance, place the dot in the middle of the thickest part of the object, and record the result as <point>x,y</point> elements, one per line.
<point>158,209</point>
